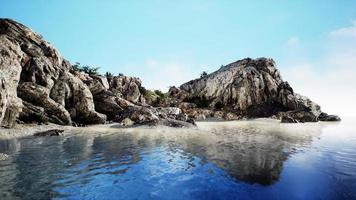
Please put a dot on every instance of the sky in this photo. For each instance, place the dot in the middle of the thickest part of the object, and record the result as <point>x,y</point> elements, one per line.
<point>167,43</point>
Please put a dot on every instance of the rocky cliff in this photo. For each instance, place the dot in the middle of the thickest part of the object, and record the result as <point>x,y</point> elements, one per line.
<point>246,88</point>
<point>38,85</point>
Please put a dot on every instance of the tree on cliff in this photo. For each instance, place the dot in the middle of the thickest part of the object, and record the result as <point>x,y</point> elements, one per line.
<point>86,69</point>
<point>203,74</point>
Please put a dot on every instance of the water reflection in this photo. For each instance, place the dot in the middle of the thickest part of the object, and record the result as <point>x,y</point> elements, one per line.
<point>217,154</point>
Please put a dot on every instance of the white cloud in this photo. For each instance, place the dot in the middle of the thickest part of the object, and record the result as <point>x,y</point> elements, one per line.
<point>330,81</point>
<point>167,74</point>
<point>345,32</point>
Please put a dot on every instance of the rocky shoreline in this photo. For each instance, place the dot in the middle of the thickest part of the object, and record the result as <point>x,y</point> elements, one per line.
<point>39,86</point>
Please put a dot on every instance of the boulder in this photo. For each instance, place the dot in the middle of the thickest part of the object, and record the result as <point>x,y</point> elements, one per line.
<point>330,118</point>
<point>39,103</point>
<point>126,87</point>
<point>76,97</point>
<point>138,114</point>
<point>298,116</point>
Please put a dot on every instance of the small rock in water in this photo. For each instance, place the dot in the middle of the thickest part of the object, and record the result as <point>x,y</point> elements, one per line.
<point>329,118</point>
<point>127,122</point>
<point>3,156</point>
<point>53,132</point>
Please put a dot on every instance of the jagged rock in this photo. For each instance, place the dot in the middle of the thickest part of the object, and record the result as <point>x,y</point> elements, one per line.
<point>36,114</point>
<point>53,92</point>
<point>230,116</point>
<point>98,84</point>
<point>138,114</point>
<point>298,116</point>
<point>331,118</point>
<point>168,111</point>
<point>76,97</point>
<point>53,132</point>
<point>126,87</point>
<point>109,104</point>
<point>245,88</point>
<point>11,58</point>
<point>37,97</point>
<point>288,119</point>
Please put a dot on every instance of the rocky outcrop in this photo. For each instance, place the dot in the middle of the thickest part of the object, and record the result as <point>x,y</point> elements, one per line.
<point>329,118</point>
<point>246,88</point>
<point>38,85</point>
<point>11,59</point>
<point>43,79</point>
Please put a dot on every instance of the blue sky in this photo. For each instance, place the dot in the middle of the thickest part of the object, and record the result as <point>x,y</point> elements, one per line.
<point>169,42</point>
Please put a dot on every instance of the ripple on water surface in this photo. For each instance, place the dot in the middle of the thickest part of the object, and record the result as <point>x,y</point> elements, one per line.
<point>259,159</point>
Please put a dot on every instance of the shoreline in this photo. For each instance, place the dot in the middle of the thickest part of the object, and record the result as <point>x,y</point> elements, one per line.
<point>26,130</point>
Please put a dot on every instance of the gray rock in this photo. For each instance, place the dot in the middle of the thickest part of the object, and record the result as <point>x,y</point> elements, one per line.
<point>138,114</point>
<point>245,88</point>
<point>39,103</point>
<point>11,58</point>
<point>298,116</point>
<point>126,87</point>
<point>72,93</point>
<point>331,118</point>
<point>38,85</point>
<point>52,132</point>
<point>47,85</point>
<point>288,119</point>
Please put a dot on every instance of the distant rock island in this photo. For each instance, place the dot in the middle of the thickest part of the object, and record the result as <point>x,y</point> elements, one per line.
<point>39,86</point>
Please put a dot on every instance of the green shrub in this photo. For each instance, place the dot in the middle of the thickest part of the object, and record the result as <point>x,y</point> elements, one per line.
<point>86,69</point>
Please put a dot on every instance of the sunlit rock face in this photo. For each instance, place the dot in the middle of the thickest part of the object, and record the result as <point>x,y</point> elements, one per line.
<point>11,59</point>
<point>57,96</point>
<point>246,88</point>
<point>39,86</point>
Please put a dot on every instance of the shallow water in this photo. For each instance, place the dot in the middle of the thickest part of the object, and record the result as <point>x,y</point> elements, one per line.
<point>259,159</point>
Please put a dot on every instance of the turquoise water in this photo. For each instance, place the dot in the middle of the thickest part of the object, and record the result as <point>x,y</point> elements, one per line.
<point>220,160</point>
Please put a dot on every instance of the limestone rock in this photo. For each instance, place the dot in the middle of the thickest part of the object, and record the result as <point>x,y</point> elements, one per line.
<point>127,87</point>
<point>38,96</point>
<point>72,93</point>
<point>45,80</point>
<point>11,57</point>
<point>245,88</point>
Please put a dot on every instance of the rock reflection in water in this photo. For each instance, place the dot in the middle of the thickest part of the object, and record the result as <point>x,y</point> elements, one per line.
<point>251,152</point>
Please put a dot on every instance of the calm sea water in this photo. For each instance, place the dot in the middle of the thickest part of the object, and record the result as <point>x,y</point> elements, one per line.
<point>259,159</point>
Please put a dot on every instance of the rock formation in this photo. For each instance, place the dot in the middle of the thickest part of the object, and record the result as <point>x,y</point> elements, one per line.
<point>38,85</point>
<point>245,88</point>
